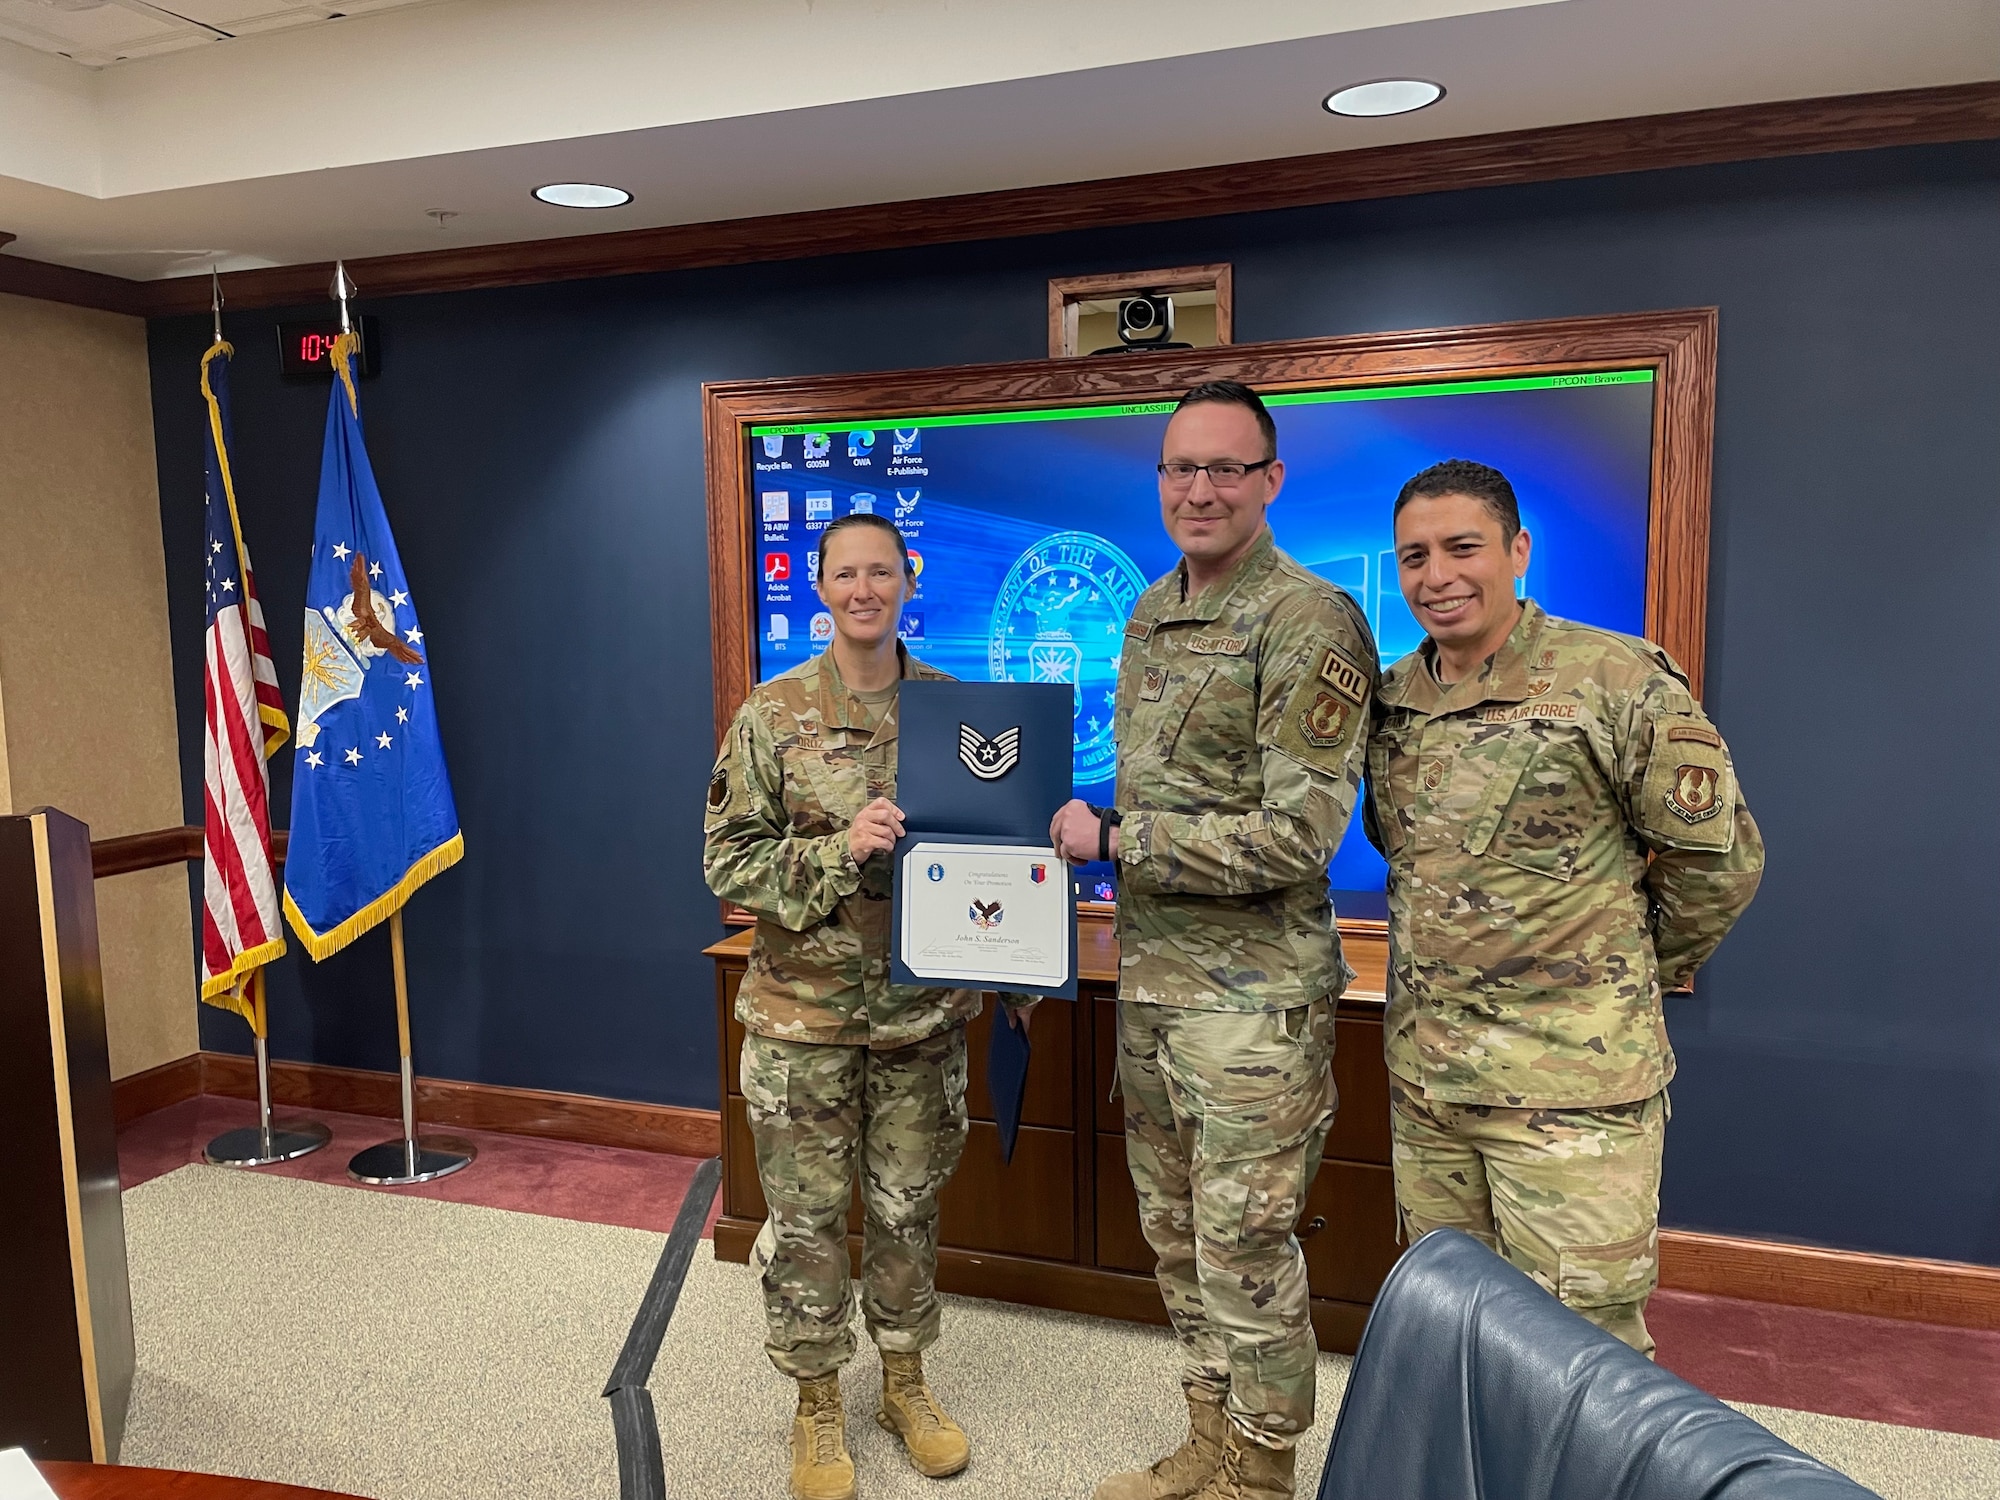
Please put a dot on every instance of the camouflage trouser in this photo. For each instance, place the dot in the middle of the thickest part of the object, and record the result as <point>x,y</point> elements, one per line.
<point>1225,1116</point>
<point>812,1107</point>
<point>1571,1196</point>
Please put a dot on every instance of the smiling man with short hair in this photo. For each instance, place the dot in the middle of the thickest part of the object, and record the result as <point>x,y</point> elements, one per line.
<point>1243,696</point>
<point>1566,839</point>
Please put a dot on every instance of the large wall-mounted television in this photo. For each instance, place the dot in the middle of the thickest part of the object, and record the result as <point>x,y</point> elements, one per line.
<point>1028,499</point>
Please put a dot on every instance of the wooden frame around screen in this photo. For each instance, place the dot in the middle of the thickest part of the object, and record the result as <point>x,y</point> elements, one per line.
<point>1679,347</point>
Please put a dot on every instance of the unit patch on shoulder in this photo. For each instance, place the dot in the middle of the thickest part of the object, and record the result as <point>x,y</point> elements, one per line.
<point>1688,795</point>
<point>1153,684</point>
<point>1692,796</point>
<point>1339,672</point>
<point>1323,720</point>
<point>718,789</point>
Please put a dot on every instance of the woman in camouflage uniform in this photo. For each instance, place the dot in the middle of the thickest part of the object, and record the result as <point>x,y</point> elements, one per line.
<point>839,1066</point>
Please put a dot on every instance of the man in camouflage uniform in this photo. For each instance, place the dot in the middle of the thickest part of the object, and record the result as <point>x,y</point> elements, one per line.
<point>1243,699</point>
<point>1565,839</point>
<point>839,1067</point>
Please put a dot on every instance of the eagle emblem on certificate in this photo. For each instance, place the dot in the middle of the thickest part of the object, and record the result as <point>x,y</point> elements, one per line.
<point>989,759</point>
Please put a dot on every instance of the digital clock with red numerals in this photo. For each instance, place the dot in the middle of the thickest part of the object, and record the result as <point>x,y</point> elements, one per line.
<point>307,348</point>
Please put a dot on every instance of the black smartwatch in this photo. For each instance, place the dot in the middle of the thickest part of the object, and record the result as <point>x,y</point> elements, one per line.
<point>1108,818</point>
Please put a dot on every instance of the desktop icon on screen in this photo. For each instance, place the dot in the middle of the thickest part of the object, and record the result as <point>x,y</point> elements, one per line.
<point>812,567</point>
<point>906,502</point>
<point>862,504</point>
<point>822,626</point>
<point>860,444</point>
<point>781,628</point>
<point>817,444</point>
<point>777,505</point>
<point>774,445</point>
<point>777,567</point>
<point>819,505</point>
<point>908,443</point>
<point>911,626</point>
<point>916,563</point>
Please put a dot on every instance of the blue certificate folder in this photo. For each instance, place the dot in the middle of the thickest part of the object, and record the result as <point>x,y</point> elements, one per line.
<point>983,763</point>
<point>984,757</point>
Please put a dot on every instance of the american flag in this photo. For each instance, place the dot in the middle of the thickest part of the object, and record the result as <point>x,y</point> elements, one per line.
<point>243,725</point>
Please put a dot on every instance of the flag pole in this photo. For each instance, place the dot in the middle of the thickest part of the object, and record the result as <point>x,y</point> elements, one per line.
<point>401,1162</point>
<point>263,1144</point>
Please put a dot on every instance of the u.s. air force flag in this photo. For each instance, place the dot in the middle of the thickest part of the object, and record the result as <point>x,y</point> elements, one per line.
<point>372,812</point>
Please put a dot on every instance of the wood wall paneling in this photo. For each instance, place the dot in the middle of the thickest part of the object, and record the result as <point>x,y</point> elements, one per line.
<point>628,1124</point>
<point>1951,1293</point>
<point>1794,127</point>
<point>139,1094</point>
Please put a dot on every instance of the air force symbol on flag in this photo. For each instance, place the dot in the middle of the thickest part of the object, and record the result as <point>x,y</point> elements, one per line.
<point>989,760</point>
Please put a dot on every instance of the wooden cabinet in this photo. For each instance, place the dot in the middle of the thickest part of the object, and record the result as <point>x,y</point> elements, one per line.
<point>1059,1226</point>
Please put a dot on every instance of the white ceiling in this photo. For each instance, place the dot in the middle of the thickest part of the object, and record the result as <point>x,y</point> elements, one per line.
<point>337,139</point>
<point>97,33</point>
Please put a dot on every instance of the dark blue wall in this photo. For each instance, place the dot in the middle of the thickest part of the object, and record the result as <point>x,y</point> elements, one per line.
<point>540,451</point>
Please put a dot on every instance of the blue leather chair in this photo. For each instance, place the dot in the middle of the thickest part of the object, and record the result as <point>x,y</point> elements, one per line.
<point>1472,1383</point>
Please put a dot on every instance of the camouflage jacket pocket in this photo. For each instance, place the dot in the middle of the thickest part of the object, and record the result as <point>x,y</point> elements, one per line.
<point>1388,823</point>
<point>824,789</point>
<point>1485,815</point>
<point>1541,823</point>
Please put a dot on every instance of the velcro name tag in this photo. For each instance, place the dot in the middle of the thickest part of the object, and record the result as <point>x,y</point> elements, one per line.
<point>1694,733</point>
<point>1219,645</point>
<point>1513,712</point>
<point>1342,675</point>
<point>1138,630</point>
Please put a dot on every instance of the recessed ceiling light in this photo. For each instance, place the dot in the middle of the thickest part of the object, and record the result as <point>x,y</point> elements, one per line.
<point>1386,96</point>
<point>582,195</point>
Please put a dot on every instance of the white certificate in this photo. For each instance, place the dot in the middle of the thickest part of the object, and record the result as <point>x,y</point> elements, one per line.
<point>995,914</point>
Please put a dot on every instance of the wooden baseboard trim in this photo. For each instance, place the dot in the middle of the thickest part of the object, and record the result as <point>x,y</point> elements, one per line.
<point>1947,1292</point>
<point>139,1094</point>
<point>580,1118</point>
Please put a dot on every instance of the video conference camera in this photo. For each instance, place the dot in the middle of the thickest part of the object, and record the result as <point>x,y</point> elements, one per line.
<point>1145,322</point>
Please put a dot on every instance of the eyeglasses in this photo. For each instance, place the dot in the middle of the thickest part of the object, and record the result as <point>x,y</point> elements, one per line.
<point>1226,475</point>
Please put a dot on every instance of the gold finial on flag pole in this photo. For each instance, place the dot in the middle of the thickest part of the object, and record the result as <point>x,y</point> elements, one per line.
<point>215,300</point>
<point>342,288</point>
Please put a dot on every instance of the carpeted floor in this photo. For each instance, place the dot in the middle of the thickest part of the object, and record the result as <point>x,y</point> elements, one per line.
<point>409,1349</point>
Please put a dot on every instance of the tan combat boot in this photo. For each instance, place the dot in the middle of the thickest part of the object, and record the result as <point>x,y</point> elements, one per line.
<point>936,1444</point>
<point>1251,1471</point>
<point>1185,1470</point>
<point>821,1469</point>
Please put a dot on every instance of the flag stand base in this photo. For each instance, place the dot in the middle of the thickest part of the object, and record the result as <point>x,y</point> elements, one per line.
<point>400,1163</point>
<point>266,1142</point>
<point>411,1159</point>
<point>261,1146</point>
